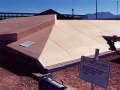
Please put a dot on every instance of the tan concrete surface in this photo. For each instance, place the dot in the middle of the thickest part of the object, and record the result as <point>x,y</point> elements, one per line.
<point>74,38</point>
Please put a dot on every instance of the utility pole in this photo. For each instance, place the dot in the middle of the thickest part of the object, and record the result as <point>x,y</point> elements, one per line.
<point>96,9</point>
<point>72,11</point>
<point>117,8</point>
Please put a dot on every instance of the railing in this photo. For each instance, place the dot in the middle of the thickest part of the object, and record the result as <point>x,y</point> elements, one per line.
<point>6,15</point>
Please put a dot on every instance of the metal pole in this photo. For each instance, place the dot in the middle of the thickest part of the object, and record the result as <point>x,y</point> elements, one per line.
<point>92,86</point>
<point>72,11</point>
<point>117,8</point>
<point>96,58</point>
<point>96,9</point>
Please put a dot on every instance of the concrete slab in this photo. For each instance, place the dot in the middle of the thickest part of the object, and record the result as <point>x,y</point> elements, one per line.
<point>64,41</point>
<point>77,38</point>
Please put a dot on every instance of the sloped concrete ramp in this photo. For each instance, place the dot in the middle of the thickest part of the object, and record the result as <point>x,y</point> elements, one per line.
<point>70,39</point>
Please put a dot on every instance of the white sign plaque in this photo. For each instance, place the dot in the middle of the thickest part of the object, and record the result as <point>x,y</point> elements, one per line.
<point>94,71</point>
<point>27,43</point>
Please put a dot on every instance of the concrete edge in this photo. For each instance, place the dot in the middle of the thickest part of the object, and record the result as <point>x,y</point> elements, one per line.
<point>57,67</point>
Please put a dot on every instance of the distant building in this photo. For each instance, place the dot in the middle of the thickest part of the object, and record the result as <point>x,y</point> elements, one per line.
<point>63,16</point>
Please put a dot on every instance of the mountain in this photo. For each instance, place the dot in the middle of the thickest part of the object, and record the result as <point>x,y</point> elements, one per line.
<point>103,15</point>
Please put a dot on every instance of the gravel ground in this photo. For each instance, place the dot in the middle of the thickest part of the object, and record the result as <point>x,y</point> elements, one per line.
<point>11,78</point>
<point>70,76</point>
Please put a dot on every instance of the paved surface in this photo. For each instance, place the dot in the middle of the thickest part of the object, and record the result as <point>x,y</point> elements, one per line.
<point>70,39</point>
<point>67,40</point>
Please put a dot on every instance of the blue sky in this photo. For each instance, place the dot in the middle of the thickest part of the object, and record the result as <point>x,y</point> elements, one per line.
<point>61,6</point>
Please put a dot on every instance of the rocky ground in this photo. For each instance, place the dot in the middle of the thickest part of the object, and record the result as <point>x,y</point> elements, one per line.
<point>70,76</point>
<point>12,78</point>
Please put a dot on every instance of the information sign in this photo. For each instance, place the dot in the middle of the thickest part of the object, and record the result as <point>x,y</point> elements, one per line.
<point>94,71</point>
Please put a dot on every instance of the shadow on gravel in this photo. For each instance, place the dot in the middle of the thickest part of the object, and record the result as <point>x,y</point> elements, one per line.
<point>117,61</point>
<point>17,68</point>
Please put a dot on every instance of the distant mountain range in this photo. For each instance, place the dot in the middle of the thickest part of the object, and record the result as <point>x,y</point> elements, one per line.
<point>103,15</point>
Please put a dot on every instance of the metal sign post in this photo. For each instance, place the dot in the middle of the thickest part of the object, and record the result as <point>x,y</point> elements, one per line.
<point>96,58</point>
